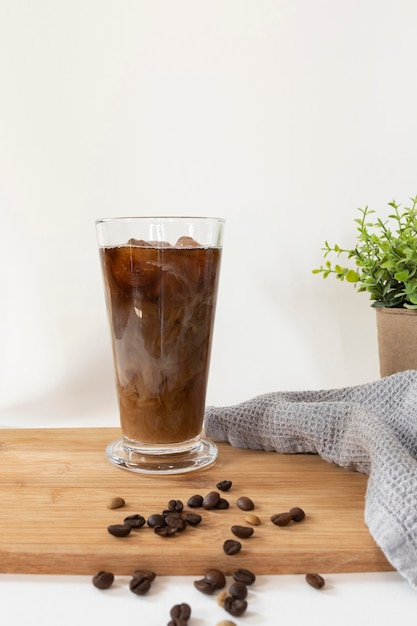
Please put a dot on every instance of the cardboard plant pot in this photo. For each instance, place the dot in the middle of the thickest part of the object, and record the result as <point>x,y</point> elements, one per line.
<point>397,339</point>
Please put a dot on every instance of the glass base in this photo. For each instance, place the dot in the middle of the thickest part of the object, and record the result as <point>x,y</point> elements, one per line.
<point>198,456</point>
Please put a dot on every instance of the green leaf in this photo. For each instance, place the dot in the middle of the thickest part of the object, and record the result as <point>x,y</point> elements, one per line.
<point>352,276</point>
<point>401,276</point>
<point>387,265</point>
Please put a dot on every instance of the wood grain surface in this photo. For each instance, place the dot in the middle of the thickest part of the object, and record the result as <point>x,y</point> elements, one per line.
<point>56,484</point>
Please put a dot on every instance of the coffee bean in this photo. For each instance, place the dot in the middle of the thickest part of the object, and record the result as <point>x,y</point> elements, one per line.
<point>222,504</point>
<point>204,586</point>
<point>165,531</point>
<point>238,590</point>
<point>178,621</point>
<point>297,514</point>
<point>134,521</point>
<point>245,504</point>
<point>234,606</point>
<point>119,530</point>
<point>213,580</point>
<point>281,519</point>
<point>221,597</point>
<point>174,520</point>
<point>243,532</point>
<point>216,578</point>
<point>224,485</point>
<point>175,505</point>
<point>115,503</point>
<point>211,500</point>
<point>156,519</point>
<point>139,586</point>
<point>141,581</point>
<point>252,519</point>
<point>192,518</point>
<point>244,576</point>
<point>181,611</point>
<point>144,573</point>
<point>315,580</point>
<point>195,501</point>
<point>103,580</point>
<point>230,546</point>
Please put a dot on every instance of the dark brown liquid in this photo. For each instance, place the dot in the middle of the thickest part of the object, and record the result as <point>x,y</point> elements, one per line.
<point>161,303</point>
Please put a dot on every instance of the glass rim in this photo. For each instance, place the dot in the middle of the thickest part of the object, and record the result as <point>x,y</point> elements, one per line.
<point>165,218</point>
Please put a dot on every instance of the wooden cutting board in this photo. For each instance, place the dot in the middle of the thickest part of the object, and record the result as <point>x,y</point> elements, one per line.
<point>56,483</point>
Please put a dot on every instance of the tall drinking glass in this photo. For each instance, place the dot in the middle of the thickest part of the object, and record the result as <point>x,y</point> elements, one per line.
<point>160,277</point>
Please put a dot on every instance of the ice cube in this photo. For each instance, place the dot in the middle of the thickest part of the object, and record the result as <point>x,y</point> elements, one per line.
<point>139,242</point>
<point>187,242</point>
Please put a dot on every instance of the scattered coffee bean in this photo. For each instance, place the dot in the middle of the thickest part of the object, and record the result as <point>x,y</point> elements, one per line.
<point>234,606</point>
<point>140,586</point>
<point>216,578</point>
<point>144,573</point>
<point>119,530</point>
<point>221,598</point>
<point>192,518</point>
<point>204,586</point>
<point>238,590</point>
<point>134,521</point>
<point>224,485</point>
<point>165,531</point>
<point>175,505</point>
<point>315,580</point>
<point>195,501</point>
<point>156,519</point>
<point>281,519</point>
<point>243,532</point>
<point>297,514</point>
<point>115,503</point>
<point>253,519</point>
<point>245,504</point>
<point>141,581</point>
<point>213,580</point>
<point>211,500</point>
<point>230,546</point>
<point>244,576</point>
<point>181,611</point>
<point>174,520</point>
<point>222,504</point>
<point>178,621</point>
<point>103,580</point>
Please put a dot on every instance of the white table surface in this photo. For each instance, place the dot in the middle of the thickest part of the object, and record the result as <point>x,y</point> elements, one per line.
<point>72,600</point>
<point>386,598</point>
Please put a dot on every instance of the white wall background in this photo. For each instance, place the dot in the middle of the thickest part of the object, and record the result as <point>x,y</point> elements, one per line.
<point>283,116</point>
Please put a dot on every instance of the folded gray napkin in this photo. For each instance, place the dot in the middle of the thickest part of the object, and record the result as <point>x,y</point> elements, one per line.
<point>370,428</point>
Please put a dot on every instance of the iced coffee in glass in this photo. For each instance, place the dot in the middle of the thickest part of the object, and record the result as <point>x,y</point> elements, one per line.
<point>161,277</point>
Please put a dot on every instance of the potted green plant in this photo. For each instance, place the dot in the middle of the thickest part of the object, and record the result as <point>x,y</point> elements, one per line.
<point>384,263</point>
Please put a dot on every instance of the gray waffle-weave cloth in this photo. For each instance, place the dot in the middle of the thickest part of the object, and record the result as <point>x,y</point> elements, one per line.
<point>369,428</point>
